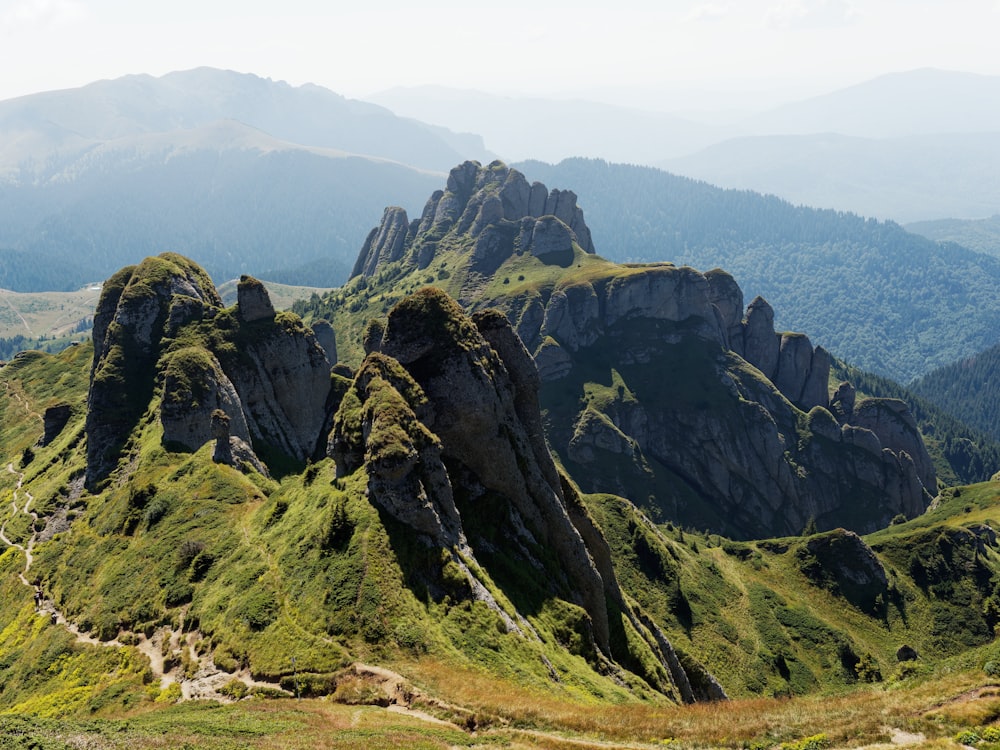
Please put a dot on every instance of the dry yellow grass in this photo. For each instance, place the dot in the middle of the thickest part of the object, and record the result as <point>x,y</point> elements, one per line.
<point>935,707</point>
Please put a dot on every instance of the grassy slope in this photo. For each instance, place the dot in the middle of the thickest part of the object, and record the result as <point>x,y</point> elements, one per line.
<point>299,576</point>
<point>280,573</point>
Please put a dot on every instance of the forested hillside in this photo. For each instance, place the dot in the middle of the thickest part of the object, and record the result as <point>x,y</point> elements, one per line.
<point>981,235</point>
<point>889,301</point>
<point>969,389</point>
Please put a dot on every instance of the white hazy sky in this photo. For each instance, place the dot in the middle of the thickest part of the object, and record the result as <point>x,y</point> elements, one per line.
<point>514,46</point>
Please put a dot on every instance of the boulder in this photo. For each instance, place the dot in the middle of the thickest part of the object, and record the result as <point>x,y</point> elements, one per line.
<point>253,303</point>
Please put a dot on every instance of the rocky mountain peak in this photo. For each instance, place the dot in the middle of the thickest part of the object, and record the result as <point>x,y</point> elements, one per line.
<point>492,209</point>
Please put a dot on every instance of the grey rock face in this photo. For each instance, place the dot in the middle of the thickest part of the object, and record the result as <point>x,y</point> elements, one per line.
<point>689,403</point>
<point>493,204</point>
<point>726,295</point>
<point>283,380</point>
<point>54,420</point>
<point>385,243</point>
<point>128,326</point>
<point>761,346</point>
<point>194,387</point>
<point>271,380</point>
<point>326,338</point>
<point>253,302</point>
<point>849,566</point>
<point>891,421</point>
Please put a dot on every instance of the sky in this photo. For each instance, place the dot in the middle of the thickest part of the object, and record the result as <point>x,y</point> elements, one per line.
<point>601,50</point>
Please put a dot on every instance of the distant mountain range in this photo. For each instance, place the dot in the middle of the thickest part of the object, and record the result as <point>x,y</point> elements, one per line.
<point>982,235</point>
<point>247,174</point>
<point>905,178</point>
<point>909,146</point>
<point>553,129</point>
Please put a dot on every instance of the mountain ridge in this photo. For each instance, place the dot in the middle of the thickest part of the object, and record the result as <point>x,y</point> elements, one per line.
<point>579,314</point>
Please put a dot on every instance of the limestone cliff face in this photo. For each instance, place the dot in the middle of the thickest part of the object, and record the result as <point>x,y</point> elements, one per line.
<point>657,383</point>
<point>493,204</point>
<point>745,446</point>
<point>128,327</point>
<point>160,326</point>
<point>444,418</point>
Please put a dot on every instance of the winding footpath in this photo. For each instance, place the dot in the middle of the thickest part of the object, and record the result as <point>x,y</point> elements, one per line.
<point>31,541</point>
<point>203,680</point>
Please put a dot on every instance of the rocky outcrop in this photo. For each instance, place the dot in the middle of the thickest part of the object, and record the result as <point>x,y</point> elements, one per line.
<point>128,331</point>
<point>253,303</point>
<point>326,338</point>
<point>841,562</point>
<point>233,450</point>
<point>656,383</point>
<point>895,427</point>
<point>788,360</point>
<point>384,244</point>
<point>495,207</point>
<point>283,378</point>
<point>54,420</point>
<point>194,387</point>
<point>758,444</point>
<point>162,324</point>
<point>445,420</point>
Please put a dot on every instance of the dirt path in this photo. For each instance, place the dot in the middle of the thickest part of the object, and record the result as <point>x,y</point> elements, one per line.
<point>17,312</point>
<point>26,549</point>
<point>196,673</point>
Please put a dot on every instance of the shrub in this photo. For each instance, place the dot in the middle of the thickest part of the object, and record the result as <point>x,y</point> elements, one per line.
<point>234,689</point>
<point>170,694</point>
<point>991,734</point>
<point>816,742</point>
<point>967,737</point>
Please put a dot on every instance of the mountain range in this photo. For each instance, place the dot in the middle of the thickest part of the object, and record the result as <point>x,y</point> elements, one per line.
<point>92,178</point>
<point>909,146</point>
<point>493,470</point>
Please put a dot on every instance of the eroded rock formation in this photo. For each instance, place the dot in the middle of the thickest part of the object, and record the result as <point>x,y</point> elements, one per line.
<point>162,324</point>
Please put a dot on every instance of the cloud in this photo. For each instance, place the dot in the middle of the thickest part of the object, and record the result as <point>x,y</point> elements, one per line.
<point>42,14</point>
<point>811,14</point>
<point>709,12</point>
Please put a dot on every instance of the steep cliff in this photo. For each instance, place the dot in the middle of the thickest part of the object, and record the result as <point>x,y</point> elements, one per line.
<point>657,383</point>
<point>160,329</point>
<point>444,420</point>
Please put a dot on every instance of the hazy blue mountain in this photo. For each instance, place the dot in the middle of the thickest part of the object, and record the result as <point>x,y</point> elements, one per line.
<point>918,145</point>
<point>905,178</point>
<point>235,198</point>
<point>908,103</point>
<point>552,129</point>
<point>40,130</point>
<point>243,173</point>
<point>889,301</point>
<point>982,235</point>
